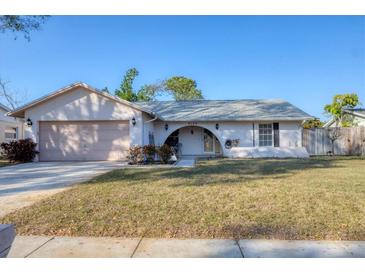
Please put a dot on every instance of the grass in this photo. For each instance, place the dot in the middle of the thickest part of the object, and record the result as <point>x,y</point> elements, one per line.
<point>319,198</point>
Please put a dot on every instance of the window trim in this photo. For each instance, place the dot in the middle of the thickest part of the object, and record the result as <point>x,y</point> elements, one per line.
<point>276,134</point>
<point>11,130</point>
<point>272,135</point>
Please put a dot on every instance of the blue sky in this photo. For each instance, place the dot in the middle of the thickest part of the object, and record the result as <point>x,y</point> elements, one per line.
<point>302,59</point>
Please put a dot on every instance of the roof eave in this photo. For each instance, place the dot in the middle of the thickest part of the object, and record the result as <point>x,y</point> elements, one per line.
<point>355,113</point>
<point>19,112</point>
<point>240,120</point>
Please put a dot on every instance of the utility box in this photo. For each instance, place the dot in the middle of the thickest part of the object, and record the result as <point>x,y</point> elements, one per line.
<point>7,235</point>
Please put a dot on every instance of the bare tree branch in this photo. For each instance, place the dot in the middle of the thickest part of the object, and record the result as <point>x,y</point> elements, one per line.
<point>8,96</point>
<point>21,24</point>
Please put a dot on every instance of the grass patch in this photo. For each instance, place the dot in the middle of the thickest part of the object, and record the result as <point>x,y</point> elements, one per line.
<point>317,198</point>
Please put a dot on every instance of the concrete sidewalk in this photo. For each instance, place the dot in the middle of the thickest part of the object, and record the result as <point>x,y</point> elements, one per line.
<point>104,247</point>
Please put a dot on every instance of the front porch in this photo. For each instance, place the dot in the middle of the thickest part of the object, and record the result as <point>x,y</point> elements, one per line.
<point>194,141</point>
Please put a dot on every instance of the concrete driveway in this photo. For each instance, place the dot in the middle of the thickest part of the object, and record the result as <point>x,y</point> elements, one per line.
<point>24,184</point>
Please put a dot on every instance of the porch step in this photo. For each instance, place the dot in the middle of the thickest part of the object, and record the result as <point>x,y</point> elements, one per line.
<point>186,162</point>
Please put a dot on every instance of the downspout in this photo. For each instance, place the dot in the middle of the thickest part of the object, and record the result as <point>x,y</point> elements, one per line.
<point>149,121</point>
<point>253,134</point>
<point>154,119</point>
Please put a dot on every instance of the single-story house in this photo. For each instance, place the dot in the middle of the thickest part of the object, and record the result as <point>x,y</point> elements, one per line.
<point>357,114</point>
<point>10,128</point>
<point>79,122</point>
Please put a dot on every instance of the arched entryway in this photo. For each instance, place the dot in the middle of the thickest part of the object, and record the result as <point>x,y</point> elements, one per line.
<point>194,141</point>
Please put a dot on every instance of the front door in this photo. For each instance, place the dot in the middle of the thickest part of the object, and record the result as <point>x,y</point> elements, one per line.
<point>208,141</point>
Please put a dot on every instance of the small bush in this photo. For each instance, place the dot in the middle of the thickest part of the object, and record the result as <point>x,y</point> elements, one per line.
<point>135,155</point>
<point>165,153</point>
<point>19,150</point>
<point>149,152</point>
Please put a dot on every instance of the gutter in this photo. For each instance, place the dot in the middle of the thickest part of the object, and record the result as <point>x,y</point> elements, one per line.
<point>154,119</point>
<point>355,113</point>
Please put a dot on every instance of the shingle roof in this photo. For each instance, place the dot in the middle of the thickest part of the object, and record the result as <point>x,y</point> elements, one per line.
<point>225,110</point>
<point>19,112</point>
<point>197,110</point>
<point>357,111</point>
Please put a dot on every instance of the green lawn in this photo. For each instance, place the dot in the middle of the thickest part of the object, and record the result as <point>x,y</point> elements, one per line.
<point>317,198</point>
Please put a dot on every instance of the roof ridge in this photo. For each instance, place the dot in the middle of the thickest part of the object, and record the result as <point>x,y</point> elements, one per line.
<point>211,100</point>
<point>70,87</point>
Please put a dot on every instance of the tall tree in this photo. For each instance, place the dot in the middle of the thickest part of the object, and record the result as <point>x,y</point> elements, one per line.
<point>182,88</point>
<point>340,102</point>
<point>149,92</point>
<point>24,24</point>
<point>125,90</point>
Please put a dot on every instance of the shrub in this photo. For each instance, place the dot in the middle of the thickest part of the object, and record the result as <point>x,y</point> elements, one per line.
<point>135,155</point>
<point>149,152</point>
<point>165,153</point>
<point>19,150</point>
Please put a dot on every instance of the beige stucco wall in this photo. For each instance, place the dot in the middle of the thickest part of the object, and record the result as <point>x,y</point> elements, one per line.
<point>290,133</point>
<point>82,105</point>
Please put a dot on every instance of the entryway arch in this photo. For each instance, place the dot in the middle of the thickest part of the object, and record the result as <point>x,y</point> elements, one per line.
<point>194,141</point>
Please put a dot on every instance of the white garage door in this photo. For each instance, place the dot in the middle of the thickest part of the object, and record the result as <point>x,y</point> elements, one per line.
<point>83,141</point>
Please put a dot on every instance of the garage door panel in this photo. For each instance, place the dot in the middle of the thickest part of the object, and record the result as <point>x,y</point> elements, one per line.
<point>92,140</point>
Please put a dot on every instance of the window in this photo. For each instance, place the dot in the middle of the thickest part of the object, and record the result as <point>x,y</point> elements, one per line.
<point>265,135</point>
<point>10,134</point>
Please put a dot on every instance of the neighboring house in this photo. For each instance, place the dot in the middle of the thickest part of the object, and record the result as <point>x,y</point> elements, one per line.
<point>10,128</point>
<point>79,122</point>
<point>358,115</point>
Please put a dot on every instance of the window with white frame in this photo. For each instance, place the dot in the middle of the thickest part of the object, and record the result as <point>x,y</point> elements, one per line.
<point>11,133</point>
<point>265,135</point>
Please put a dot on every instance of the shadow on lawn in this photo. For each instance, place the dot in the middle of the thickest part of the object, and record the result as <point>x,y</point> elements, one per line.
<point>224,171</point>
<point>261,231</point>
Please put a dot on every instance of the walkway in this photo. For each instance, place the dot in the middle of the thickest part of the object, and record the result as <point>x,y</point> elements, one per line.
<point>42,246</point>
<point>186,161</point>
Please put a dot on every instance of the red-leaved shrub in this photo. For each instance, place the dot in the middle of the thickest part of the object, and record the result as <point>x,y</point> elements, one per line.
<point>165,153</point>
<point>135,155</point>
<point>19,150</point>
<point>149,152</point>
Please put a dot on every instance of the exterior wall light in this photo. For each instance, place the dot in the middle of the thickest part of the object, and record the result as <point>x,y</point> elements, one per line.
<point>29,122</point>
<point>133,121</point>
<point>216,126</point>
<point>166,127</point>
